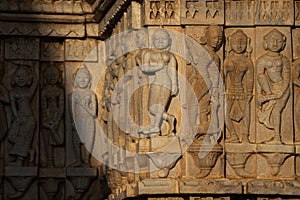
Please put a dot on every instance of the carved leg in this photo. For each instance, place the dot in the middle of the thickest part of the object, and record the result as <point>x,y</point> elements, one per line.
<point>156,116</point>
<point>86,155</point>
<point>76,147</point>
<point>50,159</point>
<point>171,122</point>
<point>277,125</point>
<point>232,137</point>
<point>246,122</point>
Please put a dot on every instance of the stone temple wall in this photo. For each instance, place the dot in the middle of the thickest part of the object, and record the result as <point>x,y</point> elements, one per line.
<point>153,99</point>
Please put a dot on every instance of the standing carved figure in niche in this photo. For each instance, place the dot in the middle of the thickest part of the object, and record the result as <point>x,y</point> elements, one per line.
<point>4,99</point>
<point>238,69</point>
<point>24,84</point>
<point>296,82</point>
<point>273,76</point>
<point>84,112</point>
<point>162,64</point>
<point>212,41</point>
<point>52,99</point>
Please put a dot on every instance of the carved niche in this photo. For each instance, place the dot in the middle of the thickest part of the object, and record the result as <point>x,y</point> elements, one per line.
<point>238,76</point>
<point>274,103</point>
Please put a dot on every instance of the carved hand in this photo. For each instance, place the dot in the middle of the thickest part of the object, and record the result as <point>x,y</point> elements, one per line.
<point>174,89</point>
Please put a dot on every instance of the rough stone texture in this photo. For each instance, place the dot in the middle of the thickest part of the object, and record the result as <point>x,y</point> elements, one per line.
<point>225,74</point>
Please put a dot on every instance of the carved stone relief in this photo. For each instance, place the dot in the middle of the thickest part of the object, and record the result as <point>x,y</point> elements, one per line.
<point>239,12</point>
<point>161,12</point>
<point>240,107</point>
<point>21,140</point>
<point>52,138</point>
<point>274,98</point>
<point>202,12</point>
<point>56,6</point>
<point>24,83</point>
<point>77,50</point>
<point>52,51</point>
<point>22,49</point>
<point>274,103</point>
<point>274,12</point>
<point>51,91</point>
<point>44,29</point>
<point>206,120</point>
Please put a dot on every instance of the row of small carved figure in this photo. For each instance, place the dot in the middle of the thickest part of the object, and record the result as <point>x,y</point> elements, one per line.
<point>273,71</point>
<point>273,92</point>
<point>20,132</point>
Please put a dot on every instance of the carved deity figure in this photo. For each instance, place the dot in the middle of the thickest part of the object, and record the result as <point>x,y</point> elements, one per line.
<point>296,82</point>
<point>161,64</point>
<point>238,70</point>
<point>273,76</point>
<point>4,99</point>
<point>212,41</point>
<point>24,84</point>
<point>84,112</point>
<point>52,98</point>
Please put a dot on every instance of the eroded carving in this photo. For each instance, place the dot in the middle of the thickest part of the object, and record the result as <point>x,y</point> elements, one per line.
<point>77,50</point>
<point>238,70</point>
<point>277,12</point>
<point>273,78</point>
<point>21,133</point>
<point>239,12</point>
<point>52,51</point>
<point>21,48</point>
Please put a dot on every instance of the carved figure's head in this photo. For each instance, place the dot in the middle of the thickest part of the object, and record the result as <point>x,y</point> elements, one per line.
<point>82,78</point>
<point>274,41</point>
<point>238,42</point>
<point>52,75</point>
<point>161,39</point>
<point>22,77</point>
<point>212,37</point>
<point>141,38</point>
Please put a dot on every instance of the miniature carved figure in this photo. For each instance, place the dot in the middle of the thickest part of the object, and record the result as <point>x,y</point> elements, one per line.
<point>273,76</point>
<point>163,65</point>
<point>24,83</point>
<point>84,109</point>
<point>52,99</point>
<point>212,41</point>
<point>4,99</point>
<point>238,69</point>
